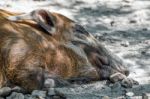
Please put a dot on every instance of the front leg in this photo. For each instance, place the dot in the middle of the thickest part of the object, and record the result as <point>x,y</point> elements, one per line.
<point>51,81</point>
<point>55,82</point>
<point>126,82</point>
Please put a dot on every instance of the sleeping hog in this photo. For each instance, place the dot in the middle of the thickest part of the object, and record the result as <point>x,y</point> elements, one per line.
<point>42,49</point>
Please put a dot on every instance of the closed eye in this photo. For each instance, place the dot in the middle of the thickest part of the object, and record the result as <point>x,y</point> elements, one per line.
<point>80,29</point>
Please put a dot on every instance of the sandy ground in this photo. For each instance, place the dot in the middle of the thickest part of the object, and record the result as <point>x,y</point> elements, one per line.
<point>121,25</point>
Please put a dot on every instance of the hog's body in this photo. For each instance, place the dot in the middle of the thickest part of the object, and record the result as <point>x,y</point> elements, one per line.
<point>29,55</point>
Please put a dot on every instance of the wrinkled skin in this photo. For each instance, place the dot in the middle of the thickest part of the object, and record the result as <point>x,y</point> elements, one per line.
<point>43,49</point>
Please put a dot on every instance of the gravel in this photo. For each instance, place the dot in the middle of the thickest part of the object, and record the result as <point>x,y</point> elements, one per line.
<point>123,26</point>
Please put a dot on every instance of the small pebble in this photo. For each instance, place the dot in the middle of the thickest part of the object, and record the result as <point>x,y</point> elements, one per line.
<point>27,96</point>
<point>16,95</point>
<point>146,96</point>
<point>130,94</point>
<point>125,44</point>
<point>112,23</point>
<point>18,89</point>
<point>132,21</point>
<point>51,91</point>
<point>56,97</point>
<point>144,29</point>
<point>8,5</point>
<point>38,93</point>
<point>49,83</point>
<point>105,97</point>
<point>116,86</point>
<point>5,91</point>
<point>143,52</point>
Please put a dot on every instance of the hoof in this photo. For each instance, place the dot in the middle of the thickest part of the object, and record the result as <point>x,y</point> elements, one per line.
<point>128,82</point>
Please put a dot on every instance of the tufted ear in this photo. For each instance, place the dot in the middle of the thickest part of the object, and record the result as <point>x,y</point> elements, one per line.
<point>45,19</point>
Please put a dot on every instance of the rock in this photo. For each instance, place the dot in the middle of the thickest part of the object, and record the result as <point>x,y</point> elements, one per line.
<point>146,96</point>
<point>130,94</point>
<point>18,89</point>
<point>49,83</point>
<point>116,86</point>
<point>8,5</point>
<point>27,96</point>
<point>143,52</point>
<point>34,97</point>
<point>133,21</point>
<point>105,34</point>
<point>51,91</point>
<point>88,92</point>
<point>16,95</point>
<point>105,97</point>
<point>56,97</point>
<point>125,44</point>
<point>39,94</point>
<point>147,41</point>
<point>145,29</point>
<point>5,91</point>
<point>112,23</point>
<point>112,41</point>
<point>127,1</point>
<point>106,88</point>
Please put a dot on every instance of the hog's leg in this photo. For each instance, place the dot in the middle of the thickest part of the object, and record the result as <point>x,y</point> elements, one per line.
<point>126,82</point>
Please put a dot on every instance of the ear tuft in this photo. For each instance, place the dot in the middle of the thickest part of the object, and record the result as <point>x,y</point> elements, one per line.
<point>45,19</point>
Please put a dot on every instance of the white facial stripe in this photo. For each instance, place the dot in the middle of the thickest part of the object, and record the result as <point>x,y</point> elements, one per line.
<point>12,18</point>
<point>90,39</point>
<point>20,17</point>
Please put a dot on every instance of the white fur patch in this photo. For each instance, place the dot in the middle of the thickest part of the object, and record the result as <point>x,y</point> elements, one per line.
<point>12,18</point>
<point>91,39</point>
<point>20,17</point>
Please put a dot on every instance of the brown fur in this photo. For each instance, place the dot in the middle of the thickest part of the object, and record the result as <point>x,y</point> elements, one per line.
<point>27,51</point>
<point>28,54</point>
